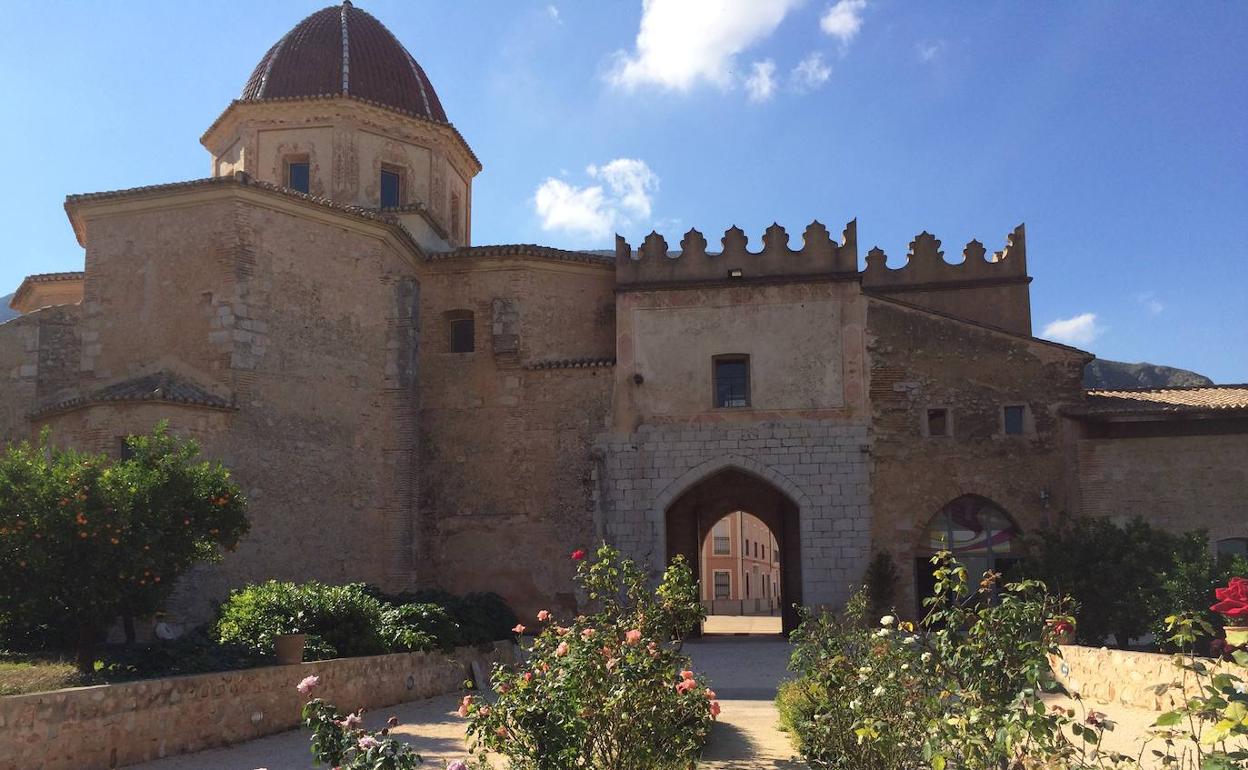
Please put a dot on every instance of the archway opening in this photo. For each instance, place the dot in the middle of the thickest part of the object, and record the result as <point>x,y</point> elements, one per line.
<point>977,532</point>
<point>724,500</point>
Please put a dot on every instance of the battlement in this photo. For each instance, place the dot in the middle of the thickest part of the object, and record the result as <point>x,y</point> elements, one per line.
<point>655,263</point>
<point>926,266</point>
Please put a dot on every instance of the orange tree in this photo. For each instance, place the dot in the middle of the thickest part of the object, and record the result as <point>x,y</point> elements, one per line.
<point>85,539</point>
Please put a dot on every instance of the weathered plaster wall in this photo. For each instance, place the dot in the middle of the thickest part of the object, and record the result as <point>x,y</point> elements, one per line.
<point>505,447</point>
<point>93,728</point>
<point>315,143</point>
<point>920,360</point>
<point>1177,482</point>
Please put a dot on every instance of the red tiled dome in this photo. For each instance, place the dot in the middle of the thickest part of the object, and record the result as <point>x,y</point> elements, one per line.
<point>343,50</point>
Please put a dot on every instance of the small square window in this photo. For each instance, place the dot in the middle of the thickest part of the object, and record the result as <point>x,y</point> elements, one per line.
<point>1015,420</point>
<point>723,584</point>
<point>938,422</point>
<point>723,546</point>
<point>391,189</point>
<point>732,382</point>
<point>299,176</point>
<point>463,335</point>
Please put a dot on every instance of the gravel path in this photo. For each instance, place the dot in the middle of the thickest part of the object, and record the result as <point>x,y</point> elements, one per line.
<point>744,672</point>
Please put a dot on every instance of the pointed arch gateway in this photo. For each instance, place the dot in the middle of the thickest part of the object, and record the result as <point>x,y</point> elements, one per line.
<point>707,494</point>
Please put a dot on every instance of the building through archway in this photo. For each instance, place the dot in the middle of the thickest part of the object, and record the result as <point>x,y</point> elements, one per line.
<point>693,516</point>
<point>976,531</point>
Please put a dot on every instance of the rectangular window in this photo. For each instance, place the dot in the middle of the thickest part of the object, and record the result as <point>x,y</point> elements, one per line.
<point>1015,420</point>
<point>723,545</point>
<point>299,176</point>
<point>723,584</point>
<point>938,422</point>
<point>463,335</point>
<point>747,547</point>
<point>747,585</point>
<point>732,382</point>
<point>391,189</point>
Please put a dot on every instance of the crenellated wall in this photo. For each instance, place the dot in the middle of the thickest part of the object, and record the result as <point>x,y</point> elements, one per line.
<point>820,255</point>
<point>990,290</point>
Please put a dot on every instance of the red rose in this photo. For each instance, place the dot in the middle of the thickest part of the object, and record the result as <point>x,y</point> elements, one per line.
<point>578,554</point>
<point>1232,600</point>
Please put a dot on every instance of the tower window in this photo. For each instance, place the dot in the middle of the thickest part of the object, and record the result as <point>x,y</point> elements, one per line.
<point>732,381</point>
<point>938,422</point>
<point>299,175</point>
<point>462,331</point>
<point>456,218</point>
<point>1015,420</point>
<point>391,189</point>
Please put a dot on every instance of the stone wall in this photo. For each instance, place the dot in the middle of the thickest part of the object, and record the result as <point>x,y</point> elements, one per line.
<point>920,360</point>
<point>818,465</point>
<point>39,358</point>
<point>1119,678</point>
<point>86,728</point>
<point>1177,482</point>
<point>506,430</point>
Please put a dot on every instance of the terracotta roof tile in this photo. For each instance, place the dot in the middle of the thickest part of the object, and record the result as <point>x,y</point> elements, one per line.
<point>162,386</point>
<point>1201,398</point>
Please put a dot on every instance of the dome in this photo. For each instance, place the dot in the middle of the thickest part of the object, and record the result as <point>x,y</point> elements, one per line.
<point>341,50</point>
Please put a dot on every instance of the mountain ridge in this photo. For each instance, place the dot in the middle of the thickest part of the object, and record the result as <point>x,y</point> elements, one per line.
<point>1111,375</point>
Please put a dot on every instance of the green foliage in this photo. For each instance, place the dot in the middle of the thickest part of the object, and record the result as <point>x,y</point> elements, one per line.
<point>85,539</point>
<point>342,742</point>
<point>340,621</point>
<point>1116,574</point>
<point>481,617</point>
<point>1186,587</point>
<point>607,691</point>
<point>961,690</point>
<point>418,628</point>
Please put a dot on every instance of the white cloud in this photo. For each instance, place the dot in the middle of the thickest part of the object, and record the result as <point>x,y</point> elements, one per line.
<point>811,72</point>
<point>552,11</point>
<point>684,42</point>
<point>929,52</point>
<point>1080,330</point>
<point>761,83</point>
<point>595,210</point>
<point>1149,300</point>
<point>843,20</point>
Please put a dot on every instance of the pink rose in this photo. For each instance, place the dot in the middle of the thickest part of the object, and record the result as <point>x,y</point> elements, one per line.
<point>632,637</point>
<point>543,616</point>
<point>519,629</point>
<point>352,721</point>
<point>587,633</point>
<point>561,650</point>
<point>463,706</point>
<point>308,684</point>
<point>710,694</point>
<point>686,675</point>
<point>457,764</point>
<point>714,709</point>
<point>367,742</point>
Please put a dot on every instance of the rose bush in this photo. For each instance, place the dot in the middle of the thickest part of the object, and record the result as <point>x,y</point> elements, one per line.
<point>343,743</point>
<point>608,690</point>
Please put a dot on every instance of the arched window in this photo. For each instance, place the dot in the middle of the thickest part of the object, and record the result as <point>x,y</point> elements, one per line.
<point>978,533</point>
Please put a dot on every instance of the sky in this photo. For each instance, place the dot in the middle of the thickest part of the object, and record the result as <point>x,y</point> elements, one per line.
<point>1116,130</point>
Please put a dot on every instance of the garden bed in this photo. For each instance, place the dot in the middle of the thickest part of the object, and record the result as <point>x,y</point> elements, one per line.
<point>116,725</point>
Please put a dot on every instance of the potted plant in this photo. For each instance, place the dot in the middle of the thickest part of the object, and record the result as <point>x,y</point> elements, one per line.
<point>289,643</point>
<point>1233,605</point>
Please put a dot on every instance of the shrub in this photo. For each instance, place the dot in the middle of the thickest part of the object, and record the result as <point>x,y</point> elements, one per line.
<point>85,539</point>
<point>961,690</point>
<point>881,584</point>
<point>608,691</point>
<point>418,628</point>
<point>481,617</point>
<point>340,621</point>
<point>343,743</point>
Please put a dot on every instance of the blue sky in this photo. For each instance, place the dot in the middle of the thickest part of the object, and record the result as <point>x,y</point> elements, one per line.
<point>1118,131</point>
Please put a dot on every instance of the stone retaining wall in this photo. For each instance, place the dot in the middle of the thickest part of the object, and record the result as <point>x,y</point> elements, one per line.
<point>108,726</point>
<point>1119,678</point>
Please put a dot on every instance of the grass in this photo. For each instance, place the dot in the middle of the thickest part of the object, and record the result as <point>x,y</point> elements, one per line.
<point>21,676</point>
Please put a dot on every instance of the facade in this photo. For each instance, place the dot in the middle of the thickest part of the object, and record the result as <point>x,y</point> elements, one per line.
<point>740,567</point>
<point>407,408</point>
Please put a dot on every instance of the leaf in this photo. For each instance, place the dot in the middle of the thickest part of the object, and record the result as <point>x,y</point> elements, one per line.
<point>938,762</point>
<point>1168,719</point>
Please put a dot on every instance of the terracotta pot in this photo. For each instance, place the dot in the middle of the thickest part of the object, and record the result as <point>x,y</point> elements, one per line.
<point>289,648</point>
<point>1236,635</point>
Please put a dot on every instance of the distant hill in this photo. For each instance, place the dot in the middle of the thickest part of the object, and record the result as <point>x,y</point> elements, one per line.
<point>1116,374</point>
<point>5,311</point>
